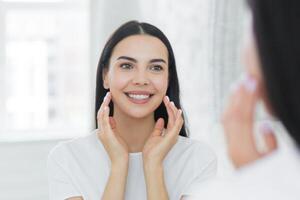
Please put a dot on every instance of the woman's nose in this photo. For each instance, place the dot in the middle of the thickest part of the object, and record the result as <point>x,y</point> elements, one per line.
<point>140,78</point>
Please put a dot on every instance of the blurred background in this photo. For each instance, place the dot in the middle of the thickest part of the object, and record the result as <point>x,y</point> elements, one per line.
<point>49,51</point>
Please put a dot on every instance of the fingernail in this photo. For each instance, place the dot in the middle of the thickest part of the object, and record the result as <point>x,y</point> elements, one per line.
<point>172,103</point>
<point>266,128</point>
<point>106,95</point>
<point>168,98</point>
<point>250,84</point>
<point>180,112</point>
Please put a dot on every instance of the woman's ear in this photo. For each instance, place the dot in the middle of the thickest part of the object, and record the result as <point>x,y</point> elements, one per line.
<point>105,78</point>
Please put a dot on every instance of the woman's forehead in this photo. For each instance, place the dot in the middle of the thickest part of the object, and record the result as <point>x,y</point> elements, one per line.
<point>140,47</point>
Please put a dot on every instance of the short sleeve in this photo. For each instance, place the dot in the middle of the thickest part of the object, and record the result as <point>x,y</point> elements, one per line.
<point>205,169</point>
<point>59,178</point>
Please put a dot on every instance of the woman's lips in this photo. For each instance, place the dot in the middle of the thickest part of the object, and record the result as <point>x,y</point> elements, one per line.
<point>139,97</point>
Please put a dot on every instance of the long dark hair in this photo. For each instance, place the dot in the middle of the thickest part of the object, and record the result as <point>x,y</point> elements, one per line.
<point>277,31</point>
<point>137,28</point>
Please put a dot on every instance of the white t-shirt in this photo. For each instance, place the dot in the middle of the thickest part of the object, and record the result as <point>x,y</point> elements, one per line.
<point>81,167</point>
<point>275,177</point>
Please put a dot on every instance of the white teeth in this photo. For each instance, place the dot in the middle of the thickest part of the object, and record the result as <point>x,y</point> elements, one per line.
<point>138,96</point>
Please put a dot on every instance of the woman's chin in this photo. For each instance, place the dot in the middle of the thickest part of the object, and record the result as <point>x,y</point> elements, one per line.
<point>138,111</point>
<point>139,115</point>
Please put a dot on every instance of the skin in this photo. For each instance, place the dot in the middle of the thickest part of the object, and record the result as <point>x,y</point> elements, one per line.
<point>238,117</point>
<point>133,128</point>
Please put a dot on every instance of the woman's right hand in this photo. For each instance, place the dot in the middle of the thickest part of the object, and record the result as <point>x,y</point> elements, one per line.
<point>115,146</point>
<point>117,151</point>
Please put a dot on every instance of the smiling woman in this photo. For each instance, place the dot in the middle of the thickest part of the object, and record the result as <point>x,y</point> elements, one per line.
<point>140,149</point>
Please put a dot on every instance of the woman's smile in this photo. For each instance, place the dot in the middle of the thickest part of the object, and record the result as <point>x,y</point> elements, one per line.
<point>139,97</point>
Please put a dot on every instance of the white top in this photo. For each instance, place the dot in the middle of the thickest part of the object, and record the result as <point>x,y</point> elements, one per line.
<point>81,167</point>
<point>275,177</point>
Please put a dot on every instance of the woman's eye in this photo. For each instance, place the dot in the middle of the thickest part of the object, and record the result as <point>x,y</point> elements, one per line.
<point>126,66</point>
<point>156,68</point>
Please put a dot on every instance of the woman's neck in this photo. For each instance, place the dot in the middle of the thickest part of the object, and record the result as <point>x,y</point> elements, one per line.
<point>134,131</point>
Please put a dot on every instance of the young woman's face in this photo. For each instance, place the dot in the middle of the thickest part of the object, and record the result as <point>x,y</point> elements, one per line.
<point>138,75</point>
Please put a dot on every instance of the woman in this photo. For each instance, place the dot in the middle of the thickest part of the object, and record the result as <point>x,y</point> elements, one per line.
<point>136,152</point>
<point>273,68</point>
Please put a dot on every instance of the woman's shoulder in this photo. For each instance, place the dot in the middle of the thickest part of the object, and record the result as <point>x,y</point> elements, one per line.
<point>75,145</point>
<point>197,146</point>
<point>194,149</point>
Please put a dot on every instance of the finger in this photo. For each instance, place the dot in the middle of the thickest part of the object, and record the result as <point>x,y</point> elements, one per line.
<point>244,84</point>
<point>112,123</point>
<point>251,94</point>
<point>243,100</point>
<point>158,128</point>
<point>171,117</point>
<point>100,119</point>
<point>233,91</point>
<point>179,121</point>
<point>246,98</point>
<point>238,121</point>
<point>174,109</point>
<point>269,138</point>
<point>105,119</point>
<point>105,102</point>
<point>177,125</point>
<point>239,114</point>
<point>106,99</point>
<point>178,112</point>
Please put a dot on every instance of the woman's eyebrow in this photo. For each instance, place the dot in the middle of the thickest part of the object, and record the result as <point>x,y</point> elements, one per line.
<point>158,60</point>
<point>127,58</point>
<point>134,60</point>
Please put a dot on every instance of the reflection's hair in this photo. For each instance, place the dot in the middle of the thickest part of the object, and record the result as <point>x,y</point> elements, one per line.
<point>136,28</point>
<point>277,31</point>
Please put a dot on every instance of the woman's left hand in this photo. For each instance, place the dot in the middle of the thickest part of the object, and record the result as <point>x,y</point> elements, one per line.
<point>238,123</point>
<point>162,140</point>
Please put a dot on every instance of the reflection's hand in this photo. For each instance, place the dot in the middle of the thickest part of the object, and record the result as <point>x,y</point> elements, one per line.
<point>115,146</point>
<point>238,123</point>
<point>158,145</point>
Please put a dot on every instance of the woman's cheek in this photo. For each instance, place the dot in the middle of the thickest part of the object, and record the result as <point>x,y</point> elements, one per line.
<point>161,84</point>
<point>119,81</point>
